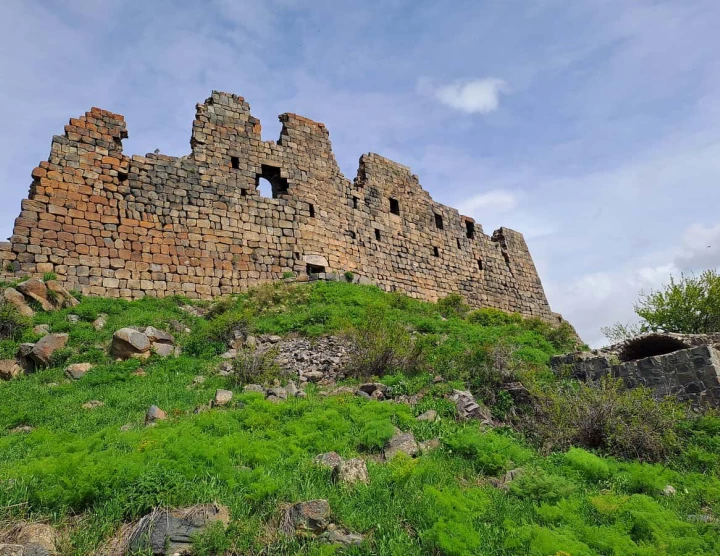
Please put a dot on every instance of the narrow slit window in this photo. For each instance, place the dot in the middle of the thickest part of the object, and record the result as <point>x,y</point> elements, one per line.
<point>312,210</point>
<point>351,234</point>
<point>438,221</point>
<point>436,251</point>
<point>235,162</point>
<point>377,234</point>
<point>355,202</point>
<point>480,264</point>
<point>458,242</point>
<point>470,229</point>
<point>394,206</point>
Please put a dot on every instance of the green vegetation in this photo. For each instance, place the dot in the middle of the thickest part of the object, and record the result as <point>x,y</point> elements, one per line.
<point>690,305</point>
<point>590,493</point>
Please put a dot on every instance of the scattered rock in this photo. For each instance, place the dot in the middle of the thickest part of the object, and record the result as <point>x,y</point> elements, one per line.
<point>328,459</point>
<point>11,549</point>
<point>222,397</point>
<point>274,339</point>
<point>154,413</point>
<point>93,404</point>
<point>37,539</point>
<point>401,442</point>
<point>254,388</point>
<point>139,372</point>
<point>78,370</point>
<point>36,289</point>
<point>307,517</point>
<point>156,335</point>
<point>371,387</point>
<point>163,350</point>
<point>429,445</point>
<point>251,342</point>
<point>229,354</point>
<point>178,327</point>
<point>41,329</point>
<point>17,300</point>
<point>166,532</point>
<point>669,490</point>
<point>338,535</point>
<point>63,297</point>
<point>469,408</point>
<point>701,518</point>
<point>23,357</point>
<point>504,482</point>
<point>9,369</point>
<point>519,394</point>
<point>312,376</point>
<point>126,427</point>
<point>200,379</point>
<point>73,319</point>
<point>22,429</point>
<point>437,379</point>
<point>278,392</point>
<point>100,322</point>
<point>351,471</point>
<point>291,389</point>
<point>429,415</point>
<point>47,345</point>
<point>128,342</point>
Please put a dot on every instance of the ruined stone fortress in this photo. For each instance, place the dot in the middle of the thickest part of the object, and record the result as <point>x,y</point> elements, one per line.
<point>118,226</point>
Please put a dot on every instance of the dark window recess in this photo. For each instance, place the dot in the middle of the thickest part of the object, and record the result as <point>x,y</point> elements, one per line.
<point>470,229</point>
<point>355,202</point>
<point>351,234</point>
<point>315,269</point>
<point>377,234</point>
<point>458,241</point>
<point>394,206</point>
<point>297,256</point>
<point>436,251</point>
<point>235,162</point>
<point>312,210</point>
<point>122,176</point>
<point>243,192</point>
<point>438,221</point>
<point>480,265</point>
<point>278,184</point>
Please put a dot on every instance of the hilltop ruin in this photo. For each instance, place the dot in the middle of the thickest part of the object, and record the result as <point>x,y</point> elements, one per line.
<point>118,226</point>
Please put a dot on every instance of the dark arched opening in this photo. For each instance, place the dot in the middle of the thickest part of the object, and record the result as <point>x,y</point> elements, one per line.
<point>649,346</point>
<point>271,174</point>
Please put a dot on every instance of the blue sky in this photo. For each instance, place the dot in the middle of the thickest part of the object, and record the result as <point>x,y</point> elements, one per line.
<point>592,127</point>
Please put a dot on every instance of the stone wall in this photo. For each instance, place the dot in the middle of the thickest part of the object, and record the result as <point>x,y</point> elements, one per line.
<point>687,366</point>
<point>118,226</point>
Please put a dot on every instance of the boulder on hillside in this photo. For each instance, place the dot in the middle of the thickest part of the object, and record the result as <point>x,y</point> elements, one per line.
<point>154,413</point>
<point>11,549</point>
<point>100,322</point>
<point>42,351</point>
<point>63,297</point>
<point>78,370</point>
<point>128,342</point>
<point>401,442</point>
<point>328,459</point>
<point>37,539</point>
<point>41,329</point>
<point>155,335</point>
<point>36,289</point>
<point>222,397</point>
<point>17,300</point>
<point>340,535</point>
<point>351,471</point>
<point>166,532</point>
<point>9,369</point>
<point>468,407</point>
<point>311,517</point>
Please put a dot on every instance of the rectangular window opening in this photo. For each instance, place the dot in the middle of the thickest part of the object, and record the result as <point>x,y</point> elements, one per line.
<point>296,255</point>
<point>122,176</point>
<point>458,242</point>
<point>235,162</point>
<point>355,202</point>
<point>243,192</point>
<point>394,206</point>
<point>436,251</point>
<point>438,221</point>
<point>377,234</point>
<point>315,269</point>
<point>312,210</point>
<point>470,227</point>
<point>480,264</point>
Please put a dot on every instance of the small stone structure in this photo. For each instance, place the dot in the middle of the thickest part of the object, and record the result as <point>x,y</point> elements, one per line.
<point>685,365</point>
<point>112,225</point>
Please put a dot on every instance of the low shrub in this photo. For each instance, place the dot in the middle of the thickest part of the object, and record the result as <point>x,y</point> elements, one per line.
<point>255,367</point>
<point>589,465</point>
<point>453,306</point>
<point>12,323</point>
<point>381,346</point>
<point>604,415</point>
<point>539,486</point>
<point>490,452</point>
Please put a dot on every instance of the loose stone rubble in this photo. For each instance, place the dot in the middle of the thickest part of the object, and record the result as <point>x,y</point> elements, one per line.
<point>468,407</point>
<point>136,342</point>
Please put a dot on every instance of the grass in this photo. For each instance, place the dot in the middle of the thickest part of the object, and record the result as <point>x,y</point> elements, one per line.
<point>256,456</point>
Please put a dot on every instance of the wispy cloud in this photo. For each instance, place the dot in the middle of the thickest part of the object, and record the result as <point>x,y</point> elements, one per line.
<point>495,201</point>
<point>477,96</point>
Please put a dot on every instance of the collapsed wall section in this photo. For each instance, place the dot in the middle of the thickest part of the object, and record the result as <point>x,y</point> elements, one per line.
<point>119,226</point>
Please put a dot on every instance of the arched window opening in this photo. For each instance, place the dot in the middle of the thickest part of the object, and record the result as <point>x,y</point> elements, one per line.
<point>277,184</point>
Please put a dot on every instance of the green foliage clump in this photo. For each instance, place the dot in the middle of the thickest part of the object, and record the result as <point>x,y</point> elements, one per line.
<point>12,324</point>
<point>49,276</point>
<point>489,452</point>
<point>592,467</point>
<point>255,367</point>
<point>605,415</point>
<point>453,305</point>
<point>540,486</point>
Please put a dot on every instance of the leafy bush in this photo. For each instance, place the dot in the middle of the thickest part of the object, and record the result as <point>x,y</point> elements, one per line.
<point>589,465</point>
<point>453,306</point>
<point>489,452</point>
<point>12,323</point>
<point>489,316</point>
<point>604,415</point>
<point>349,276</point>
<point>540,486</point>
<point>381,346</point>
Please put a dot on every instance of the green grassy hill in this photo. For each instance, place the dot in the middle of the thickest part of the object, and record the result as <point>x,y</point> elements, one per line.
<point>88,471</point>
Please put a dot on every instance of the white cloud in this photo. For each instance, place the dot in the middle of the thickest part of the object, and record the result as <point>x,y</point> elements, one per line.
<point>478,96</point>
<point>490,201</point>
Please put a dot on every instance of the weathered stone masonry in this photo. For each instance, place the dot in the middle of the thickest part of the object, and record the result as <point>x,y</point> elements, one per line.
<point>119,226</point>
